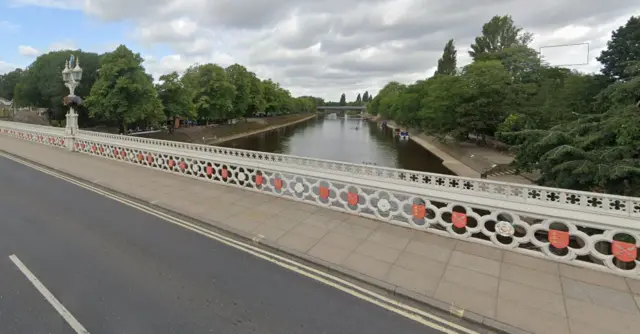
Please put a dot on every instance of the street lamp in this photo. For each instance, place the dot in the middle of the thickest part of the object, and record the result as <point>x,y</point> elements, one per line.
<point>71,75</point>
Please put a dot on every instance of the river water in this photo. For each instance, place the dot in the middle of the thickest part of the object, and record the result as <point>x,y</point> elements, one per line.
<point>332,138</point>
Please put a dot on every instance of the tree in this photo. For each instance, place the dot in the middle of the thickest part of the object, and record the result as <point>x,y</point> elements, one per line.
<point>41,83</point>
<point>274,98</point>
<point>579,131</point>
<point>384,104</point>
<point>487,100</point>
<point>594,152</point>
<point>359,100</point>
<point>497,34</point>
<point>177,100</point>
<point>448,62</point>
<point>257,104</point>
<point>444,94</point>
<point>214,93</point>
<point>124,93</point>
<point>241,80</point>
<point>343,100</point>
<point>365,97</point>
<point>8,83</point>
<point>622,49</point>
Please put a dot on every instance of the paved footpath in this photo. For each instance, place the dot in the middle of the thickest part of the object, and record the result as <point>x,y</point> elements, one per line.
<point>537,295</point>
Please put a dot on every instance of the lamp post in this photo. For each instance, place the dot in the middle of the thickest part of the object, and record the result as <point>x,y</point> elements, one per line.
<point>71,75</point>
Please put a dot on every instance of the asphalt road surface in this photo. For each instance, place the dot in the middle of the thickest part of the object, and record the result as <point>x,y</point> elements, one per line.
<point>119,270</point>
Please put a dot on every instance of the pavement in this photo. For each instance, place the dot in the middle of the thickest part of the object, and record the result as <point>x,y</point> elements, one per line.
<point>467,159</point>
<point>498,287</point>
<point>119,270</point>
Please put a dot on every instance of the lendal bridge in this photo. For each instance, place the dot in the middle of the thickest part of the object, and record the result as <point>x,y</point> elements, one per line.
<point>341,108</point>
<point>483,229</point>
<point>586,229</point>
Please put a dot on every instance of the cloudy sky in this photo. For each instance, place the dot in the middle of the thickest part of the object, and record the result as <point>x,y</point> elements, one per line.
<point>312,47</point>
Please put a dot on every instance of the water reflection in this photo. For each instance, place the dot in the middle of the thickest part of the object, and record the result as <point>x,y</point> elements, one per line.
<point>350,140</point>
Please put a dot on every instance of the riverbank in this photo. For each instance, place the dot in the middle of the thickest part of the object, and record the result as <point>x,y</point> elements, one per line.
<point>465,159</point>
<point>453,164</point>
<point>212,135</point>
<point>266,129</point>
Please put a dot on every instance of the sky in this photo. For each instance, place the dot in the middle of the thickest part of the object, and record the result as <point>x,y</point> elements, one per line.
<point>311,47</point>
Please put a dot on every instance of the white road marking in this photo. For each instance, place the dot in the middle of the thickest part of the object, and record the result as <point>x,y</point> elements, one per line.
<point>410,312</point>
<point>68,317</point>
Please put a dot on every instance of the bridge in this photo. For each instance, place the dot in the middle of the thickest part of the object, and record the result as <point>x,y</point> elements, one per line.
<point>341,108</point>
<point>494,251</point>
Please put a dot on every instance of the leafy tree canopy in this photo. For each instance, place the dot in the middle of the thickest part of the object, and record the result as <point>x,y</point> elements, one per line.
<point>621,51</point>
<point>8,83</point>
<point>498,34</point>
<point>580,131</point>
<point>41,84</point>
<point>448,62</point>
<point>123,93</point>
<point>177,100</point>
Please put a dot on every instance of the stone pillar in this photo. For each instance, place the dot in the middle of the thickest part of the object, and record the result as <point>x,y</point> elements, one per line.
<point>71,129</point>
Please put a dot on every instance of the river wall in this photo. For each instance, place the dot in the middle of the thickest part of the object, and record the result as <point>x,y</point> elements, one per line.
<point>267,129</point>
<point>451,163</point>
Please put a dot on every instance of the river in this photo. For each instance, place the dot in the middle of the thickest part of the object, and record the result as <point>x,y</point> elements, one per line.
<point>332,138</point>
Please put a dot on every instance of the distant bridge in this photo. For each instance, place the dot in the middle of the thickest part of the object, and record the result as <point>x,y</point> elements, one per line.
<point>341,108</point>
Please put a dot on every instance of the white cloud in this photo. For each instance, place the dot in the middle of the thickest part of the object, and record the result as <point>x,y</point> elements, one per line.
<point>328,47</point>
<point>28,51</point>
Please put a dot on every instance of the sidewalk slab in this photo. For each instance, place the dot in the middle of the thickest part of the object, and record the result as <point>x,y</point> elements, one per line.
<point>534,294</point>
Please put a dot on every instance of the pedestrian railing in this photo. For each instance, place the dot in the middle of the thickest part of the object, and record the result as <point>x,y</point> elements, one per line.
<point>587,229</point>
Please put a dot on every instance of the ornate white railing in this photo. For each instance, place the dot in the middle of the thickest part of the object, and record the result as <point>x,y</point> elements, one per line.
<point>552,197</point>
<point>37,133</point>
<point>588,229</point>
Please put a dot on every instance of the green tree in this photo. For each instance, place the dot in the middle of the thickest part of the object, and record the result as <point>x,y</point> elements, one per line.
<point>343,100</point>
<point>124,93</point>
<point>177,100</point>
<point>488,98</point>
<point>358,100</point>
<point>8,83</point>
<point>448,62</point>
<point>594,152</point>
<point>41,83</point>
<point>497,34</point>
<point>274,99</point>
<point>365,97</point>
<point>443,97</point>
<point>214,92</point>
<point>385,103</point>
<point>257,104</point>
<point>240,77</point>
<point>622,49</point>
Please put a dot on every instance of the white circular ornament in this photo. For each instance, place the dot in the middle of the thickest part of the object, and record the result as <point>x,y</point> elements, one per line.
<point>383,205</point>
<point>505,229</point>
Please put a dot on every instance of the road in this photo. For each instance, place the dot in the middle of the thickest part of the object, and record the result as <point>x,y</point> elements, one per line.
<point>120,270</point>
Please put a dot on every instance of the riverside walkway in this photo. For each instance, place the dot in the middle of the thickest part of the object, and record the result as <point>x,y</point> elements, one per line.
<point>480,283</point>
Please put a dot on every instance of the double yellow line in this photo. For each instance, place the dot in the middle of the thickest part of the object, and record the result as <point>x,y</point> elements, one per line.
<point>387,303</point>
